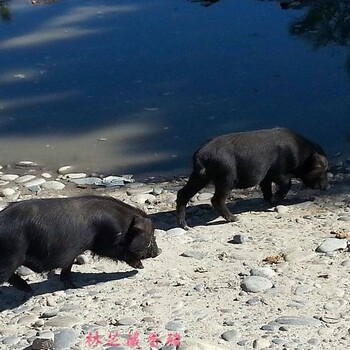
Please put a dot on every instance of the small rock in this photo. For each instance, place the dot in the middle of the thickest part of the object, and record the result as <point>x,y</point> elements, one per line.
<point>64,339</point>
<point>53,185</point>
<point>297,321</point>
<point>256,284</point>
<point>231,335</point>
<point>46,175</point>
<point>82,259</point>
<point>7,192</point>
<point>43,341</point>
<point>74,176</point>
<point>8,177</point>
<point>143,198</point>
<point>36,182</point>
<point>24,271</point>
<point>127,321</point>
<point>194,344</point>
<point>174,326</point>
<point>261,343</point>
<point>87,181</point>
<point>26,163</point>
<point>204,196</point>
<point>177,231</point>
<point>330,245</point>
<point>65,169</point>
<point>266,272</point>
<point>24,178</point>
<point>239,239</point>
<point>193,254</point>
<point>281,209</point>
<point>63,321</point>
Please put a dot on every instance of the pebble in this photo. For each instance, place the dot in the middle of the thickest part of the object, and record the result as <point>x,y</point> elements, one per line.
<point>36,182</point>
<point>49,313</point>
<point>65,169</point>
<point>24,178</point>
<point>26,163</point>
<point>298,255</point>
<point>205,196</point>
<point>53,185</point>
<point>266,272</point>
<point>143,198</point>
<point>193,254</point>
<point>82,259</point>
<point>194,344</point>
<point>24,271</point>
<point>297,321</point>
<point>330,245</point>
<point>7,192</point>
<point>44,341</point>
<point>63,321</point>
<point>74,176</point>
<point>261,343</point>
<point>256,284</point>
<point>87,181</point>
<point>239,239</point>
<point>231,335</point>
<point>127,321</point>
<point>174,326</point>
<point>8,177</point>
<point>46,175</point>
<point>11,340</point>
<point>282,209</point>
<point>177,231</point>
<point>64,339</point>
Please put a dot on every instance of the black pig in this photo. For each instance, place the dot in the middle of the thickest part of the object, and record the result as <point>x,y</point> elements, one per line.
<point>246,159</point>
<point>44,234</point>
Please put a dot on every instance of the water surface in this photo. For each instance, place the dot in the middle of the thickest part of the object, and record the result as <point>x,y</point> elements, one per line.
<point>136,86</point>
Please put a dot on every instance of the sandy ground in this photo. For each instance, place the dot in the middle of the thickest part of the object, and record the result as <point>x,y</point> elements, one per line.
<point>198,290</point>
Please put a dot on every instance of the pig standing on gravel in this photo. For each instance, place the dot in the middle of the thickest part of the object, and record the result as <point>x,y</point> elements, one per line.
<point>44,234</point>
<point>246,159</point>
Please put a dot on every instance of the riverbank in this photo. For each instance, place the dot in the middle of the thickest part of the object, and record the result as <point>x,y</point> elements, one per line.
<point>279,277</point>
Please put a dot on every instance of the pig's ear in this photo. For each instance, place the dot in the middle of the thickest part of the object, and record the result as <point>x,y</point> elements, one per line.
<point>319,161</point>
<point>141,225</point>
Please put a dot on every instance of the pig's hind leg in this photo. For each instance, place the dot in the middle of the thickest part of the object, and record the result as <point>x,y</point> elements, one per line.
<point>8,266</point>
<point>195,184</point>
<point>223,186</point>
<point>284,183</point>
<point>66,277</point>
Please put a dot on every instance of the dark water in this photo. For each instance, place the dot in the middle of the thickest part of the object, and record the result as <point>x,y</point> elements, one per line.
<point>136,86</point>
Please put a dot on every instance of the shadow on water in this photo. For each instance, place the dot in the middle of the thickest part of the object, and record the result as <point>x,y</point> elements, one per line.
<point>11,297</point>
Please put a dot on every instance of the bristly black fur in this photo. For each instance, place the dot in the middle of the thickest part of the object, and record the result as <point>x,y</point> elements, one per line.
<point>44,234</point>
<point>246,159</point>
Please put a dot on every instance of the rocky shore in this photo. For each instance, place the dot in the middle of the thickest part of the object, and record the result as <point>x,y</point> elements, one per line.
<point>278,278</point>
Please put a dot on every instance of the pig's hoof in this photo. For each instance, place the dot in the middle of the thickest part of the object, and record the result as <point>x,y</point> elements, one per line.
<point>231,218</point>
<point>69,285</point>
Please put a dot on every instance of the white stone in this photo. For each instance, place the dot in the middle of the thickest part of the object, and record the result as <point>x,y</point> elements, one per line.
<point>194,344</point>
<point>7,192</point>
<point>46,175</point>
<point>53,185</point>
<point>256,284</point>
<point>281,209</point>
<point>264,271</point>
<point>261,343</point>
<point>36,182</point>
<point>8,177</point>
<point>24,178</point>
<point>143,198</point>
<point>65,169</point>
<point>74,176</point>
<point>330,245</point>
